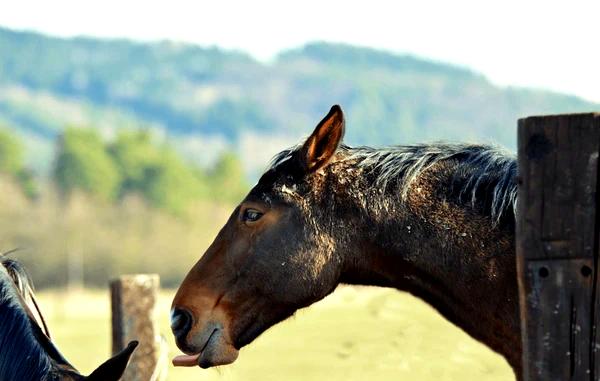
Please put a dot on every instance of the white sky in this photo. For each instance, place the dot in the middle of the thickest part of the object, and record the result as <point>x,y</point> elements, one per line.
<point>545,44</point>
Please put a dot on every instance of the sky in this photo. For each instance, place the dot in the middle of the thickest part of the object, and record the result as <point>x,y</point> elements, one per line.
<point>553,45</point>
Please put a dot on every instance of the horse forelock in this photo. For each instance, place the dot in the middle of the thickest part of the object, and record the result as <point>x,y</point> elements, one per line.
<point>282,157</point>
<point>475,168</point>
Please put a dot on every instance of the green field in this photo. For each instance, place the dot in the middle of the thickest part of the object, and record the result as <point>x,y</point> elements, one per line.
<point>354,334</point>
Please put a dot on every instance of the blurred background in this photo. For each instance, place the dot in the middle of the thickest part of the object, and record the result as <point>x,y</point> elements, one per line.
<point>130,130</point>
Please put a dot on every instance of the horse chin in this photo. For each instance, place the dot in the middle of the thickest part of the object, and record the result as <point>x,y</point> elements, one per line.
<point>217,352</point>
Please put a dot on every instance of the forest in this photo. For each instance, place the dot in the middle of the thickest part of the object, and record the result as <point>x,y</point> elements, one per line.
<point>107,207</point>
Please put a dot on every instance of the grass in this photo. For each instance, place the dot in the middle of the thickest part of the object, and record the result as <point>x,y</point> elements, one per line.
<point>354,334</point>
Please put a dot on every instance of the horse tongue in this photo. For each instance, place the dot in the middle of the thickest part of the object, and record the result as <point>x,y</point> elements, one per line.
<point>185,360</point>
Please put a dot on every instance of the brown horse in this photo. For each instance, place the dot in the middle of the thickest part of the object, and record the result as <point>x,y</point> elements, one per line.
<point>434,220</point>
<point>26,351</point>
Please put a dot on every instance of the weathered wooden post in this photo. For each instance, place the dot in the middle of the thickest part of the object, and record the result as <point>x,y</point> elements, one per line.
<point>133,300</point>
<point>557,246</point>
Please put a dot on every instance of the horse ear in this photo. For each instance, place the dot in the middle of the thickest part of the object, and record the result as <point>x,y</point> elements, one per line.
<point>113,368</point>
<point>325,139</point>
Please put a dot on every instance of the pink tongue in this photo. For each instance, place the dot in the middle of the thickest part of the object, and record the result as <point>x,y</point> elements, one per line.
<point>185,360</point>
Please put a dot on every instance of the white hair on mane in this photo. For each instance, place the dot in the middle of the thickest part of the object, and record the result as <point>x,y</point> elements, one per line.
<point>478,166</point>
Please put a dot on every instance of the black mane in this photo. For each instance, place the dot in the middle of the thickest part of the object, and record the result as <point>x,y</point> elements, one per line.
<point>22,356</point>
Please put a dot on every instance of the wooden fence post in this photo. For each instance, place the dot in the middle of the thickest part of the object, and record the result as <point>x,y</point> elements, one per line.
<point>557,246</point>
<point>133,300</point>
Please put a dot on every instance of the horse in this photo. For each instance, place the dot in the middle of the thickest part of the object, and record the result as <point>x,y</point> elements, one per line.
<point>435,220</point>
<point>26,351</point>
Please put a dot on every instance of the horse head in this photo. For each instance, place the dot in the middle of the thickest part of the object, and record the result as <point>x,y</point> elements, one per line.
<point>269,259</point>
<point>26,350</point>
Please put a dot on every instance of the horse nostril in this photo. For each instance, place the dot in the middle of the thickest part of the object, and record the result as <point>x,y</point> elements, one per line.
<point>181,322</point>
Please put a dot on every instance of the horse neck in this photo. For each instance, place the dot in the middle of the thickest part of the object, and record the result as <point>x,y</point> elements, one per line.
<point>449,255</point>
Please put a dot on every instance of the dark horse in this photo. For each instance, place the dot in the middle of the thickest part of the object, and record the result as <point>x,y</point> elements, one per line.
<point>435,220</point>
<point>26,352</point>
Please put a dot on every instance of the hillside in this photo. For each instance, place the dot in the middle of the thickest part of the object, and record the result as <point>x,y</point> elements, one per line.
<point>205,99</point>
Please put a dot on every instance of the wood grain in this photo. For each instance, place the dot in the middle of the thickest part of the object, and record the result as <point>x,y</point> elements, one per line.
<point>557,245</point>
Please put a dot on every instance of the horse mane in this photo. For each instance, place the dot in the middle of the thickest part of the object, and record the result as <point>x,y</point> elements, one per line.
<point>22,356</point>
<point>482,174</point>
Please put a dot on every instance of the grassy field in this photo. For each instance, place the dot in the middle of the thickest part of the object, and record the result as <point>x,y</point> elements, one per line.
<point>354,334</point>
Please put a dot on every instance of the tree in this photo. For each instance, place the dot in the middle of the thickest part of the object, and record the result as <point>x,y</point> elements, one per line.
<point>227,179</point>
<point>171,184</point>
<point>134,152</point>
<point>11,153</point>
<point>12,163</point>
<point>156,172</point>
<point>83,163</point>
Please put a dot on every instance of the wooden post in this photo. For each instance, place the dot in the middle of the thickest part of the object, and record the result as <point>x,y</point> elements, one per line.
<point>133,299</point>
<point>557,246</point>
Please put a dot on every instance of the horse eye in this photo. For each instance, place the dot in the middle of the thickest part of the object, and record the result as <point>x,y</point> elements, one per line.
<point>251,215</point>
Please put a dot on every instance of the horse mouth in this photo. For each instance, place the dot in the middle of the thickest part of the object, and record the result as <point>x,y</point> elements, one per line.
<point>214,352</point>
<point>194,359</point>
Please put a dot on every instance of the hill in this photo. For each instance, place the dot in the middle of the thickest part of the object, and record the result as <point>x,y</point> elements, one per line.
<point>207,99</point>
